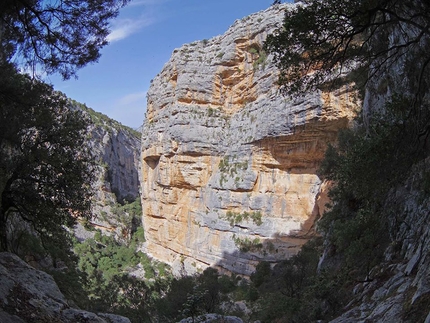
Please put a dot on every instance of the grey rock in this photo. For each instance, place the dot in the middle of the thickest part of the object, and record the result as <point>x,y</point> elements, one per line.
<point>112,318</point>
<point>74,315</point>
<point>117,151</point>
<point>30,295</point>
<point>219,137</point>
<point>7,318</point>
<point>207,318</point>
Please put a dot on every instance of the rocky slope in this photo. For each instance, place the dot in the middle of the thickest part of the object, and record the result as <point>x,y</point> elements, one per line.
<point>228,164</point>
<point>30,295</point>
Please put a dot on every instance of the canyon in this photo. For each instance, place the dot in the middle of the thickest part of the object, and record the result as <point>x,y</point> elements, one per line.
<point>227,171</point>
<point>229,165</point>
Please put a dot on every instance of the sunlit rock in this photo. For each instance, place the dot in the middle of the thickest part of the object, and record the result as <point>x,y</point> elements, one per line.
<point>228,163</point>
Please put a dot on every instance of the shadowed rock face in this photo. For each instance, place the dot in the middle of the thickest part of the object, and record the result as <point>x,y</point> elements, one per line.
<point>30,295</point>
<point>117,150</point>
<point>228,164</point>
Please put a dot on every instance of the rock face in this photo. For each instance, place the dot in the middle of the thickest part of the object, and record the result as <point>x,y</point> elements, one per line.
<point>228,164</point>
<point>117,149</point>
<point>30,295</point>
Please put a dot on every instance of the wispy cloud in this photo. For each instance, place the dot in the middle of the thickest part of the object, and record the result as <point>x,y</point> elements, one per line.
<point>130,109</point>
<point>133,98</point>
<point>123,28</point>
<point>143,3</point>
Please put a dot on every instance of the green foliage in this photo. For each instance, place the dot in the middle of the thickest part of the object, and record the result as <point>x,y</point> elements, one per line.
<point>289,291</point>
<point>262,271</point>
<point>106,265</point>
<point>200,294</point>
<point>192,305</point>
<point>169,308</point>
<point>128,213</point>
<point>364,166</point>
<point>275,307</point>
<point>139,235</point>
<point>261,60</point>
<point>228,167</point>
<point>259,56</point>
<point>248,245</point>
<point>236,217</point>
<point>105,256</point>
<point>103,121</point>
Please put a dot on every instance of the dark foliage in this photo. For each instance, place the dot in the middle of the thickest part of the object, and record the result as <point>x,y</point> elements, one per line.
<point>46,167</point>
<point>55,36</point>
<point>322,40</point>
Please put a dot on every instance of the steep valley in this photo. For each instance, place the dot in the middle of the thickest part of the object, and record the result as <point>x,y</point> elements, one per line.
<point>228,206</point>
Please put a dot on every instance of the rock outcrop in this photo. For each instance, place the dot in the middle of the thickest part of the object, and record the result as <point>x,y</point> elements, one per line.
<point>228,163</point>
<point>30,295</point>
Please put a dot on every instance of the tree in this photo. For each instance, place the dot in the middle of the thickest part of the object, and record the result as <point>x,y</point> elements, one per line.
<point>209,286</point>
<point>55,36</point>
<point>323,39</point>
<point>46,166</point>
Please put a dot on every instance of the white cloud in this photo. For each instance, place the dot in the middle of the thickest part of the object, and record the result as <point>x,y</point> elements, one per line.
<point>123,28</point>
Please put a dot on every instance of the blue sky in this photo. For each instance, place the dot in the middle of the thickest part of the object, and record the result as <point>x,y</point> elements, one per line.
<point>143,37</point>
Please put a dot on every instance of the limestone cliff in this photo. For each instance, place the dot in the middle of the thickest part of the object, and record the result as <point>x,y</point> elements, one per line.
<point>228,164</point>
<point>117,150</point>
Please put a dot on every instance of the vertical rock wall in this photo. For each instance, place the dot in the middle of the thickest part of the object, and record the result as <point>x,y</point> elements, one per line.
<point>117,151</point>
<point>228,164</point>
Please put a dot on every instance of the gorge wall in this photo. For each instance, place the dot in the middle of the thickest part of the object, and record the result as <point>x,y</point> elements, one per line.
<point>117,151</point>
<point>228,163</point>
